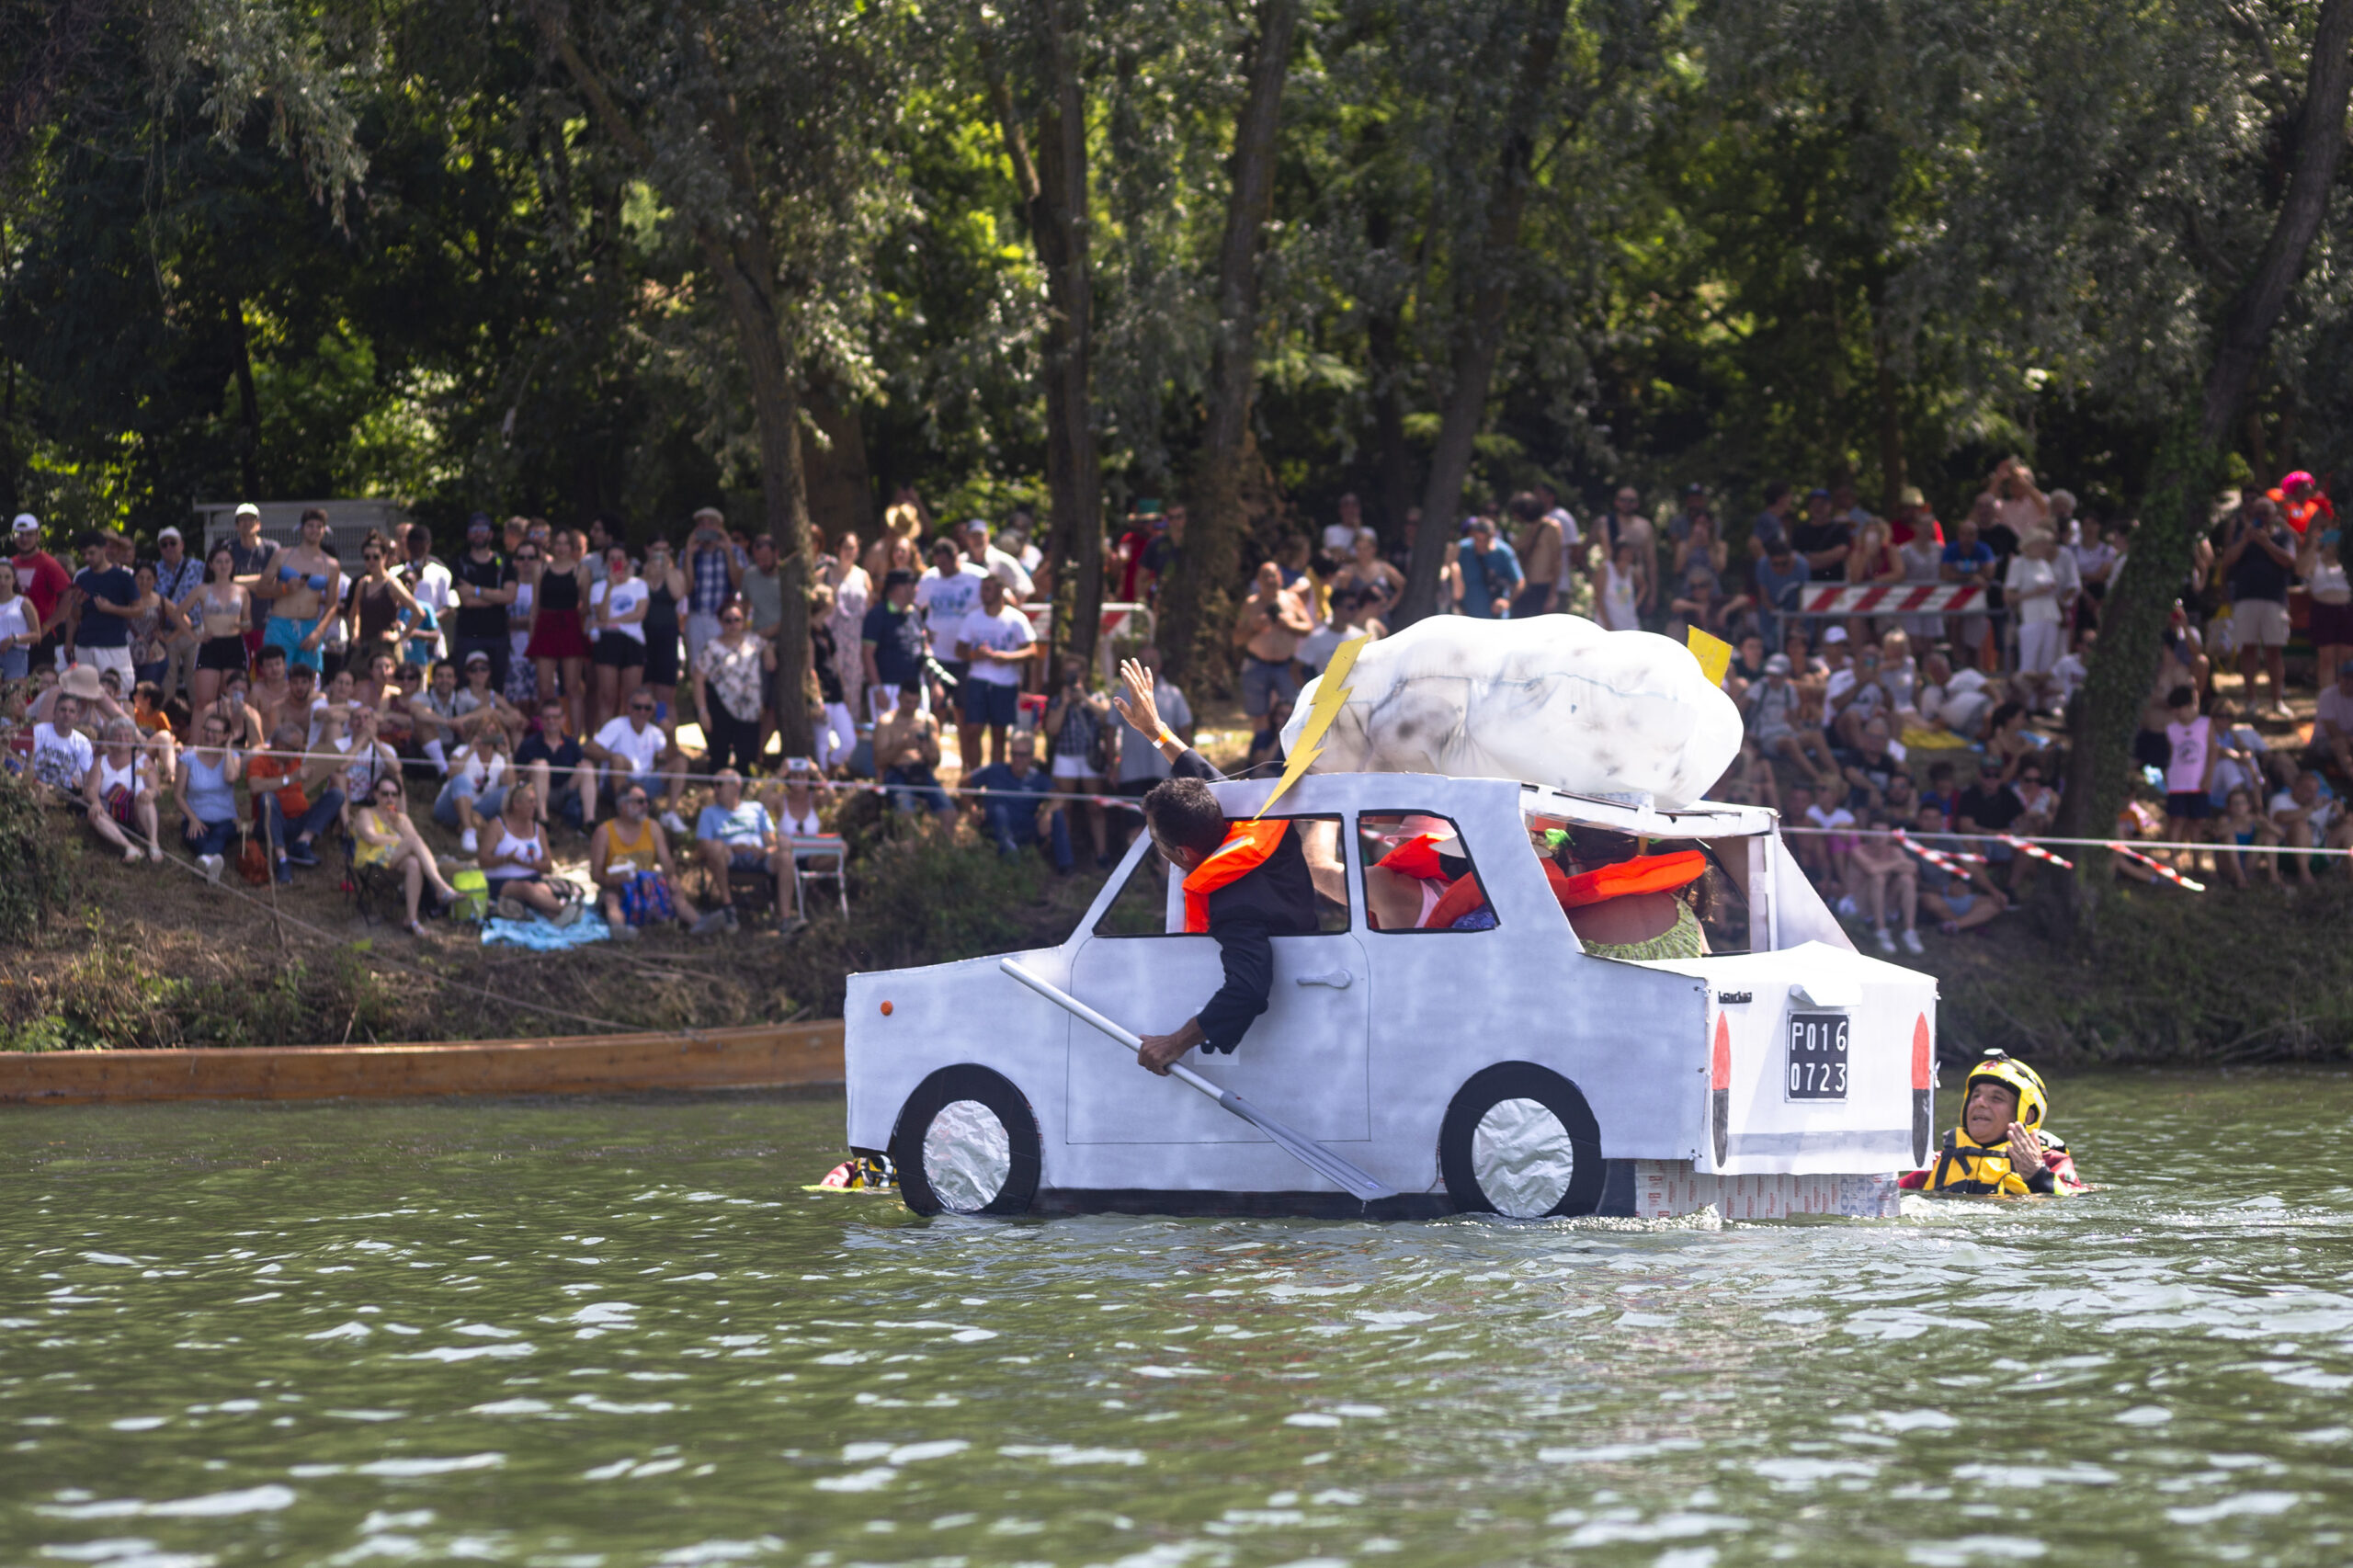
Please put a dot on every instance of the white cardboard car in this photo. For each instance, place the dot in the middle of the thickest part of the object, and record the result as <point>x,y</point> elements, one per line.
<point>1504,1070</point>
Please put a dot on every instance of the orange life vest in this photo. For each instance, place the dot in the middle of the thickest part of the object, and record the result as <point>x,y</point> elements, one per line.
<point>1644,873</point>
<point>1416,857</point>
<point>1246,847</point>
<point>1458,901</point>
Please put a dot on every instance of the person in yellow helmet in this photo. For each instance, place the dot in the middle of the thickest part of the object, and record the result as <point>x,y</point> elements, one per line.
<point>2001,1149</point>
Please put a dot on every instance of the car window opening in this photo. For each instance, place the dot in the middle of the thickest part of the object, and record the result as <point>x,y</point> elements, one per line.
<point>1419,875</point>
<point>1148,904</point>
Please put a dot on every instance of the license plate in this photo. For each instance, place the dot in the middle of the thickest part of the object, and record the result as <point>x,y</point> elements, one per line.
<point>1817,1058</point>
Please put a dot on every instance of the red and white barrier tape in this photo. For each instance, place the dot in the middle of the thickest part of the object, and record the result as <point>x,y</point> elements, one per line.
<point>2028,846</point>
<point>2167,872</point>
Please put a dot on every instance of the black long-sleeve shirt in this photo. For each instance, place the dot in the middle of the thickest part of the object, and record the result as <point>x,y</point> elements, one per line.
<point>1278,898</point>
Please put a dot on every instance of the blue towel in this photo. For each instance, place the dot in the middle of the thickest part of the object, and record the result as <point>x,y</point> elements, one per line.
<point>541,937</point>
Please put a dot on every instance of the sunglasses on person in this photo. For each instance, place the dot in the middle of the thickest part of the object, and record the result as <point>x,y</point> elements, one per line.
<point>641,708</point>
<point>730,618</point>
<point>388,790</point>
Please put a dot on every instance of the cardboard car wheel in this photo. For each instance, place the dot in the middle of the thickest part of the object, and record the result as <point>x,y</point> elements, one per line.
<point>966,1142</point>
<point>1519,1141</point>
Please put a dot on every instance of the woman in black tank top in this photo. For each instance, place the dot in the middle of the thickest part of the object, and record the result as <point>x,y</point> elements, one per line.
<point>667,584</point>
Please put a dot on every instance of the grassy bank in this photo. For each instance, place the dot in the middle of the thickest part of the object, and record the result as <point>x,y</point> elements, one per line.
<point>151,955</point>
<point>138,956</point>
<point>2210,979</point>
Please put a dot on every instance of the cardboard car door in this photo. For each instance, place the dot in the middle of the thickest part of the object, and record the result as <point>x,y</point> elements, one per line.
<point>1303,1061</point>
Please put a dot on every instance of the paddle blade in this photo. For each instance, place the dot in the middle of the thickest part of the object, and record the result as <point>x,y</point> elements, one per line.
<point>1360,1185</point>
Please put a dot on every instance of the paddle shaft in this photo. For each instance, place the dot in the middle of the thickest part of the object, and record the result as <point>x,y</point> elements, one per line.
<point>1127,1037</point>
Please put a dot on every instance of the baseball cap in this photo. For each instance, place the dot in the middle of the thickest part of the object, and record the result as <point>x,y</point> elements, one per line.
<point>169,533</point>
<point>897,577</point>
<point>477,657</point>
<point>1817,493</point>
<point>26,523</point>
<point>247,509</point>
<point>1778,664</point>
<point>1836,634</point>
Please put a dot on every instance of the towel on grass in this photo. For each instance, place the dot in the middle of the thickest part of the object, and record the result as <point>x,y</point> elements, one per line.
<point>542,937</point>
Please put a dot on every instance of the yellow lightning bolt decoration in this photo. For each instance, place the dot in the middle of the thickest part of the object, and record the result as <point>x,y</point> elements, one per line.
<point>1713,653</point>
<point>1329,695</point>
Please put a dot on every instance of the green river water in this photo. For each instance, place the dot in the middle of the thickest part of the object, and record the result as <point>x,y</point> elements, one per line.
<point>576,1333</point>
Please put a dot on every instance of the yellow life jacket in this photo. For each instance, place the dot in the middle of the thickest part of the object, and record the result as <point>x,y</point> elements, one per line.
<point>1967,1169</point>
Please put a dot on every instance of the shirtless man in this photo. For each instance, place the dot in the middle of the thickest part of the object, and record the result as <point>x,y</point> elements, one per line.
<point>272,684</point>
<point>906,748</point>
<point>304,587</point>
<point>1539,547</point>
<point>1267,630</point>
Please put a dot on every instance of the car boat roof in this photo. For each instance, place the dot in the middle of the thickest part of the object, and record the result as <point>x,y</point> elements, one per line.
<point>1628,815</point>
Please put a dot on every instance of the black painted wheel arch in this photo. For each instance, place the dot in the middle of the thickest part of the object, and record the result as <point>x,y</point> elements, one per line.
<point>967,1081</point>
<point>1520,1081</point>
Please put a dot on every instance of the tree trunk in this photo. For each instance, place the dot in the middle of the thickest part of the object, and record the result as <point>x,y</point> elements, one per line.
<point>1485,265</point>
<point>741,259</point>
<point>1891,408</point>
<point>1198,599</point>
<point>2132,616</point>
<point>248,406</point>
<point>1053,194</point>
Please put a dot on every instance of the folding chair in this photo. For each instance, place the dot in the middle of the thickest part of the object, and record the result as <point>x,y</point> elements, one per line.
<point>816,858</point>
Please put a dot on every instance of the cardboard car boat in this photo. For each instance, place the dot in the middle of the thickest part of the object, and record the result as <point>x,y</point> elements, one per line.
<point>1504,1070</point>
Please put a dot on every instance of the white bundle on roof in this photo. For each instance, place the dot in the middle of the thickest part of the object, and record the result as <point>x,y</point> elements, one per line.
<point>1554,699</point>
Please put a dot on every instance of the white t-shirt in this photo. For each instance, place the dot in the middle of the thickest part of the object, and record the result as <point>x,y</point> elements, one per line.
<point>2324,810</point>
<point>1569,535</point>
<point>639,748</point>
<point>626,597</point>
<point>17,618</point>
<point>1339,539</point>
<point>61,758</point>
<point>1005,632</point>
<point>2334,707</point>
<point>2067,675</point>
<point>2028,573</point>
<point>944,603</point>
<point>1837,819</point>
<point>360,774</point>
<point>1015,578</point>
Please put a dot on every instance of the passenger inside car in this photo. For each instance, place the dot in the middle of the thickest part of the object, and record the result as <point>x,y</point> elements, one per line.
<point>1419,875</point>
<point>1623,902</point>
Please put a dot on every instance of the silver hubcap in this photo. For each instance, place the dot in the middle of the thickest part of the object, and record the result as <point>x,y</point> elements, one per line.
<point>967,1156</point>
<point>1523,1158</point>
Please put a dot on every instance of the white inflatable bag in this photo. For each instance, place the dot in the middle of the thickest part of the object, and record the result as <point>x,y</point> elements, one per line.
<point>1554,699</point>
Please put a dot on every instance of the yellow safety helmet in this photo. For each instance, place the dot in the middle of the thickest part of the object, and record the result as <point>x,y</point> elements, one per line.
<point>1998,1067</point>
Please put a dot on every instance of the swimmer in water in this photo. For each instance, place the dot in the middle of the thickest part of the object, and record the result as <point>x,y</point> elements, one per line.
<point>2001,1149</point>
<point>305,595</point>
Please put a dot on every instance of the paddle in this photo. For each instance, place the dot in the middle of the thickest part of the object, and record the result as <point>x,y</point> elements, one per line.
<point>1312,1154</point>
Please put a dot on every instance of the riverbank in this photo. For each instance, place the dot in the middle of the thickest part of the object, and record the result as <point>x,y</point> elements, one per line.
<point>153,958</point>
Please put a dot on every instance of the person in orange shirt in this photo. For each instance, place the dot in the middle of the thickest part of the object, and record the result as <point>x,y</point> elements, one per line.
<point>2300,501</point>
<point>281,779</point>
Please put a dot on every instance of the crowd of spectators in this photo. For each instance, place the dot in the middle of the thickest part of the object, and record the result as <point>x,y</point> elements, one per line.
<point>540,679</point>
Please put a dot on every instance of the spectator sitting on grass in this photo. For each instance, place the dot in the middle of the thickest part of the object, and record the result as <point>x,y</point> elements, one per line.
<point>1010,795</point>
<point>118,792</point>
<point>906,747</point>
<point>381,835</point>
<point>236,711</point>
<point>477,787</point>
<point>280,780</point>
<point>1959,901</point>
<point>62,756</point>
<point>206,790</point>
<point>1992,808</point>
<point>2302,813</point>
<point>631,748</point>
<point>479,707</point>
<point>2333,722</point>
<point>1881,868</point>
<point>433,716</point>
<point>628,860</point>
<point>735,833</point>
<point>2238,827</point>
<point>516,863</point>
<point>793,802</point>
<point>548,751</point>
<point>367,760</point>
